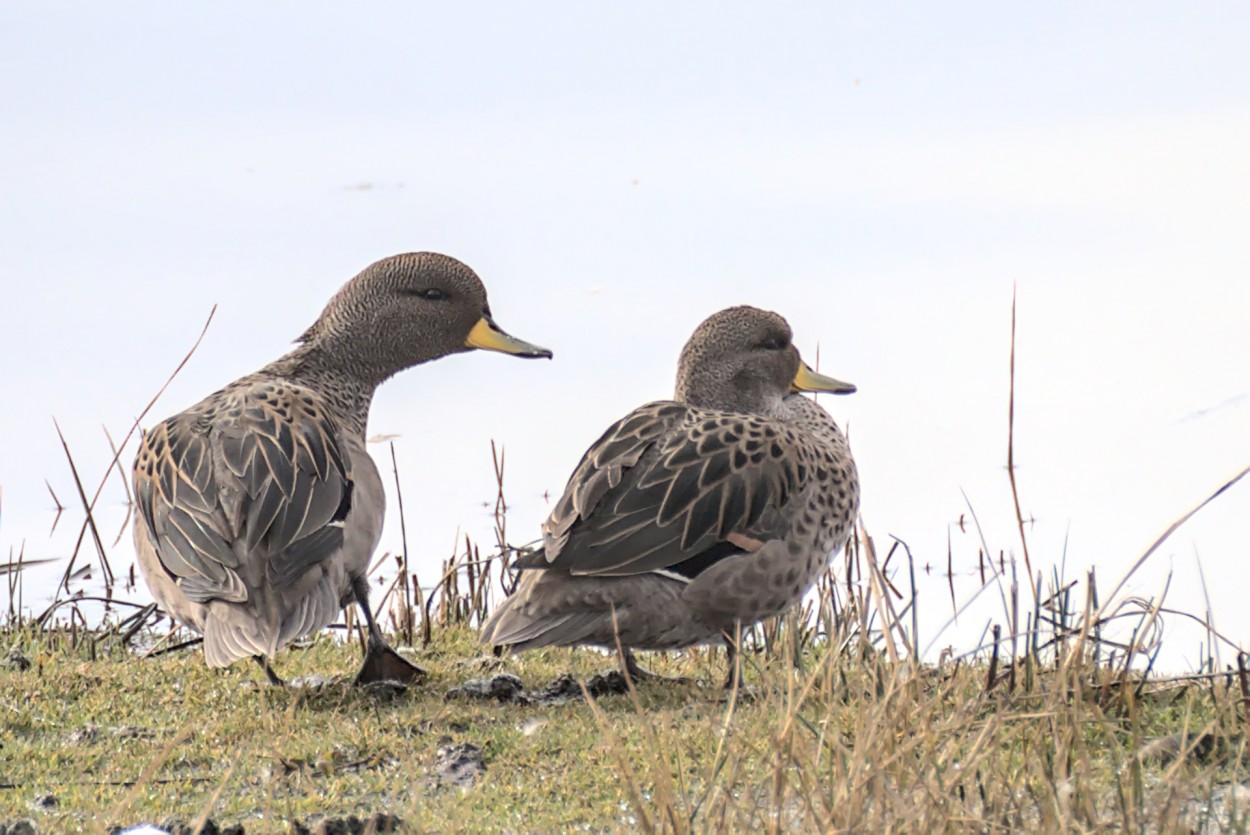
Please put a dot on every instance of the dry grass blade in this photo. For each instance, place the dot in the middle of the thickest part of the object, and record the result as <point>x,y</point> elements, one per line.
<point>1011,443</point>
<point>847,724</point>
<point>1163,537</point>
<point>60,508</point>
<point>89,505</point>
<point>201,822</point>
<point>145,778</point>
<point>18,565</point>
<point>121,476</point>
<point>629,777</point>
<point>407,616</point>
<point>88,523</point>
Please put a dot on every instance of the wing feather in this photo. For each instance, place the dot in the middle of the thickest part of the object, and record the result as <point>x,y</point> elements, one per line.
<point>667,484</point>
<point>248,486</point>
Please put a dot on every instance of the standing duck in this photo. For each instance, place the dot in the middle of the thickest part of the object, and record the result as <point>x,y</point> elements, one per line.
<point>694,516</point>
<point>259,508</point>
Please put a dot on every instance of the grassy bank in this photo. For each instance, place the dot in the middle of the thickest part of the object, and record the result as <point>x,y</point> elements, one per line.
<point>1053,722</point>
<point>842,732</point>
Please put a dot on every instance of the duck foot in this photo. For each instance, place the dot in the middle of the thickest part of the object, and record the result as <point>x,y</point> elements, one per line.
<point>743,694</point>
<point>381,662</point>
<point>636,672</point>
<point>385,664</point>
<point>734,687</point>
<point>274,678</point>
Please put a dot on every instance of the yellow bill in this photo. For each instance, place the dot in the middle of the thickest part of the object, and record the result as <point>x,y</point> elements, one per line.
<point>487,336</point>
<point>809,380</point>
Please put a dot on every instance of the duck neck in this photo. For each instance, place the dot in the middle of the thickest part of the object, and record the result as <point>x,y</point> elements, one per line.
<point>748,395</point>
<point>346,387</point>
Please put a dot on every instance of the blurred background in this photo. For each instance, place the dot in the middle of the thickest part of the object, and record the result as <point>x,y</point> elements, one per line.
<point>884,175</point>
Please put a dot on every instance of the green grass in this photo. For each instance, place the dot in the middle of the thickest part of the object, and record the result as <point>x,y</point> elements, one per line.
<point>857,740</point>
<point>845,732</point>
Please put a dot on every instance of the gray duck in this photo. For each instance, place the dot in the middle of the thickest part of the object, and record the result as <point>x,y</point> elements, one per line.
<point>259,507</point>
<point>692,517</point>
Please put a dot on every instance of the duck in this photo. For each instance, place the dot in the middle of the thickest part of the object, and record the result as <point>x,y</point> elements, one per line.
<point>259,508</point>
<point>692,518</point>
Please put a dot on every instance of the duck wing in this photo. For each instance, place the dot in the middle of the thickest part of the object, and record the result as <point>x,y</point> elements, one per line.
<point>249,488</point>
<point>673,488</point>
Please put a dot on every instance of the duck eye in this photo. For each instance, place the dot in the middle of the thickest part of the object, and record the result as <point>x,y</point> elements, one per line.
<point>772,343</point>
<point>430,294</point>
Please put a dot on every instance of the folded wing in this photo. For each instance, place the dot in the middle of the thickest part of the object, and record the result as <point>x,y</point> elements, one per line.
<point>256,491</point>
<point>666,488</point>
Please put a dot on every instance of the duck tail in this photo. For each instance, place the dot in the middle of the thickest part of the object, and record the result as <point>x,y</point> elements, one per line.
<point>227,639</point>
<point>502,623</point>
<point>516,626</point>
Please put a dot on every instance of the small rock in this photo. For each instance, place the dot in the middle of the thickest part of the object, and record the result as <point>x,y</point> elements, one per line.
<point>336,826</point>
<point>385,822</point>
<point>177,826</point>
<point>18,827</point>
<point>508,689</point>
<point>15,660</point>
<point>45,802</point>
<point>84,735</point>
<point>458,764</point>
<point>608,684</point>
<point>532,726</point>
<point>503,687</point>
<point>311,683</point>
<point>352,825</point>
<point>387,689</point>
<point>566,688</point>
<point>132,732</point>
<point>481,664</point>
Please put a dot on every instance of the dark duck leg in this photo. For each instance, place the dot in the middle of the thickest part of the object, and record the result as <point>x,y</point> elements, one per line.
<point>381,662</point>
<point>273,677</point>
<point>636,672</point>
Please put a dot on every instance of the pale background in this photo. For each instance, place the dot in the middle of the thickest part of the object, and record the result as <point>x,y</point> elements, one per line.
<point>882,174</point>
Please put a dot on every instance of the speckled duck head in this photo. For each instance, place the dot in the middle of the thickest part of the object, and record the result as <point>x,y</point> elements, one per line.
<point>406,310</point>
<point>742,359</point>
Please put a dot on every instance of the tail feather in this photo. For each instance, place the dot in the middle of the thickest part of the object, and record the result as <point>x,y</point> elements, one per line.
<point>228,639</point>
<point>511,627</point>
<point>233,630</point>
<point>316,610</point>
<point>553,608</point>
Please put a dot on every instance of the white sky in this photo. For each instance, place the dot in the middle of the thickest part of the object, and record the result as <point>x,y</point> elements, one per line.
<point>881,174</point>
